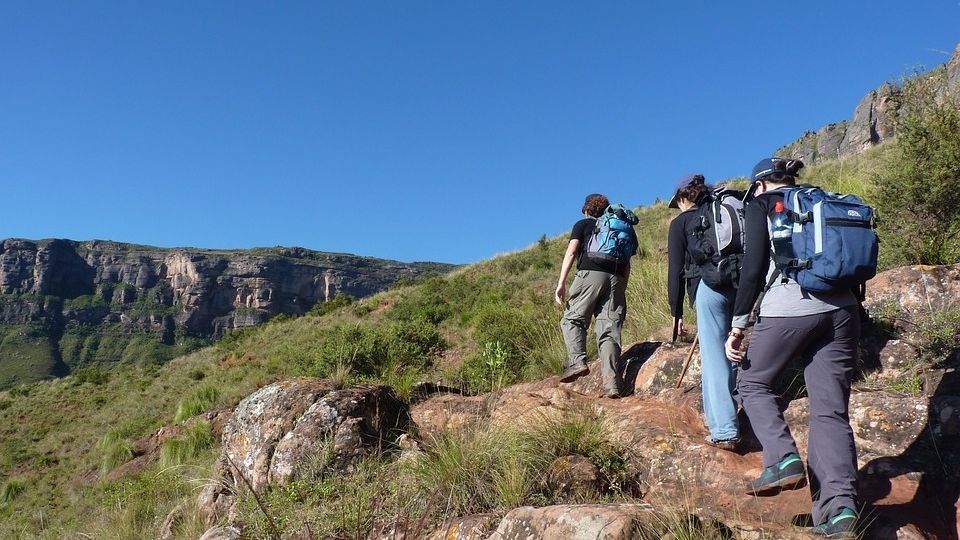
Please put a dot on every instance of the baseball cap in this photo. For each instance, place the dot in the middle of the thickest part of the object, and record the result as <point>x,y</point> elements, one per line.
<point>683,183</point>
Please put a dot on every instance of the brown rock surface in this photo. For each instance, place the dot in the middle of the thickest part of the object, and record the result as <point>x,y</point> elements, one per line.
<point>661,429</point>
<point>917,289</point>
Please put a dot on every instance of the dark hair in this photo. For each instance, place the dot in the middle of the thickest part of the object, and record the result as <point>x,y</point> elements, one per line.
<point>695,190</point>
<point>785,171</point>
<point>595,206</point>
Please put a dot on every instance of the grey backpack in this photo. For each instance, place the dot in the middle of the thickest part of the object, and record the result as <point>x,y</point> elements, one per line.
<point>716,238</point>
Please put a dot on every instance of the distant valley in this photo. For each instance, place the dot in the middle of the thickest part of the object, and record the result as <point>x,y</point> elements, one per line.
<point>67,304</point>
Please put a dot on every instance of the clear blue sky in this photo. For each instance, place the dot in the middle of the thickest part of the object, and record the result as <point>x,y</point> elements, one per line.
<point>446,131</point>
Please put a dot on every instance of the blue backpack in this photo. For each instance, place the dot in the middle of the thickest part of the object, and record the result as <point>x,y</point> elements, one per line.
<point>824,241</point>
<point>613,239</point>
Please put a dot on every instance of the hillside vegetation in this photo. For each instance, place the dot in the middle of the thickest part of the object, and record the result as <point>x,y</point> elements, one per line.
<point>479,328</point>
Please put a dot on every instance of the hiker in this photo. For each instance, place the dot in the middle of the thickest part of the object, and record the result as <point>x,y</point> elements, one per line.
<point>691,244</point>
<point>602,252</point>
<point>822,329</point>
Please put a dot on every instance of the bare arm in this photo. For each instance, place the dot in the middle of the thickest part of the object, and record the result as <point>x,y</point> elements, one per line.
<point>572,249</point>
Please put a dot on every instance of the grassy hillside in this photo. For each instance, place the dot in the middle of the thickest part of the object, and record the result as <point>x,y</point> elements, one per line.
<point>486,325</point>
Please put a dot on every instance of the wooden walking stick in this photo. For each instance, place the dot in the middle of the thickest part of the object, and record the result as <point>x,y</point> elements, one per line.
<point>696,340</point>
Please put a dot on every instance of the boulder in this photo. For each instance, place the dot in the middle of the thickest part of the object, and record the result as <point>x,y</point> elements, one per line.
<point>916,289</point>
<point>281,428</point>
<point>227,532</point>
<point>572,522</point>
<point>576,476</point>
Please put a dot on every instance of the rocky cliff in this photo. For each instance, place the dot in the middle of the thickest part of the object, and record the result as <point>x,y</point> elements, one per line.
<point>64,304</point>
<point>872,122</point>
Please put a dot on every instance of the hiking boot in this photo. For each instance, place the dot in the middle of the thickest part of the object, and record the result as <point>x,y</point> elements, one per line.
<point>787,474</point>
<point>723,444</point>
<point>612,394</point>
<point>574,372</point>
<point>842,525</point>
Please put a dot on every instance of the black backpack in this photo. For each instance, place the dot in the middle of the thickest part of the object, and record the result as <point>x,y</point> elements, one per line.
<point>715,238</point>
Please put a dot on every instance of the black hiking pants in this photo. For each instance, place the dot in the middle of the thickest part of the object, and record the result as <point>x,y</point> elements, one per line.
<point>827,343</point>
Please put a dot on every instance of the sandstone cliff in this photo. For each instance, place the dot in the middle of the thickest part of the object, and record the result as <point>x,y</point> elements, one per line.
<point>64,303</point>
<point>872,122</point>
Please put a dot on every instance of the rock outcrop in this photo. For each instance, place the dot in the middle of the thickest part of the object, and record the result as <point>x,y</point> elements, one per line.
<point>74,296</point>
<point>280,429</point>
<point>872,122</point>
<point>908,445</point>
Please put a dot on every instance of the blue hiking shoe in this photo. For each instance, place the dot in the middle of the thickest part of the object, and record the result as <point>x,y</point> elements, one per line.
<point>842,525</point>
<point>789,473</point>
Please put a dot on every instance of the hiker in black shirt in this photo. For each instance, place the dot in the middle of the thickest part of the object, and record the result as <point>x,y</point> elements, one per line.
<point>823,330</point>
<point>598,290</point>
<point>714,309</point>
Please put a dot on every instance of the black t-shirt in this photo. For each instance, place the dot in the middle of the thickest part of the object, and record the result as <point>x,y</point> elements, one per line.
<point>582,231</point>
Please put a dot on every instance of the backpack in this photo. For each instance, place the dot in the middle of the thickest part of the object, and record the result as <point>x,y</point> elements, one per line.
<point>613,239</point>
<point>830,241</point>
<point>716,243</point>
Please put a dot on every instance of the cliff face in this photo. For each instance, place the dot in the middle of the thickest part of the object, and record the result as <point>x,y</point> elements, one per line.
<point>87,302</point>
<point>872,122</point>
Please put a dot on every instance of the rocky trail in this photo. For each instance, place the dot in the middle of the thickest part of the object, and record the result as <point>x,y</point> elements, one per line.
<point>908,449</point>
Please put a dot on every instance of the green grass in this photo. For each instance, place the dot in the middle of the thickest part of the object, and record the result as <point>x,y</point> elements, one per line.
<point>196,439</point>
<point>202,400</point>
<point>10,490</point>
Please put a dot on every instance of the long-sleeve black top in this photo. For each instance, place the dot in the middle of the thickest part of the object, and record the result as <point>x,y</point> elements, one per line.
<point>677,263</point>
<point>756,252</point>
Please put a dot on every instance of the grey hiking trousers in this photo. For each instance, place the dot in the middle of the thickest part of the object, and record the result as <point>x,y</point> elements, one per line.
<point>602,295</point>
<point>827,343</point>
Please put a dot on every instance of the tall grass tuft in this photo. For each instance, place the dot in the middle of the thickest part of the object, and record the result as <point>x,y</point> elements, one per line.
<point>179,450</point>
<point>115,449</point>
<point>10,490</point>
<point>201,401</point>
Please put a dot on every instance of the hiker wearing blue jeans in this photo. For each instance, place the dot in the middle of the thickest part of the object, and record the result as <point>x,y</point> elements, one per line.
<point>822,329</point>
<point>714,313</point>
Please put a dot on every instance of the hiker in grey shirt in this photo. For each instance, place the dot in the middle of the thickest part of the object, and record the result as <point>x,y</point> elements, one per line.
<point>598,290</point>
<point>820,328</point>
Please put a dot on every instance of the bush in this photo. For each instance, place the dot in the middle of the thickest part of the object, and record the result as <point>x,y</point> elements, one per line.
<point>338,301</point>
<point>916,190</point>
<point>92,375</point>
<point>370,350</point>
<point>201,401</point>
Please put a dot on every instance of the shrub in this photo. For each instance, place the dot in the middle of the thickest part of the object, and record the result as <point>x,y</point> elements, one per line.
<point>92,375</point>
<point>201,401</point>
<point>917,203</point>
<point>338,301</point>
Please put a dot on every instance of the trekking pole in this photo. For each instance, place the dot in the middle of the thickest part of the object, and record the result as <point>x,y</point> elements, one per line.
<point>696,340</point>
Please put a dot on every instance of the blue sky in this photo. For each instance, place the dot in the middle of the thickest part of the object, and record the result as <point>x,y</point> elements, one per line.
<point>446,131</point>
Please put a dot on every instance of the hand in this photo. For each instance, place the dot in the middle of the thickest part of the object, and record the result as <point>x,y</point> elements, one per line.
<point>560,295</point>
<point>732,347</point>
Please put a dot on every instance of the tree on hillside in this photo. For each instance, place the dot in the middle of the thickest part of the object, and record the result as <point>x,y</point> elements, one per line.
<point>918,188</point>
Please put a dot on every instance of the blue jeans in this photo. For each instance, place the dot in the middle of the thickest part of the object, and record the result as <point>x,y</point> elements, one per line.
<point>714,313</point>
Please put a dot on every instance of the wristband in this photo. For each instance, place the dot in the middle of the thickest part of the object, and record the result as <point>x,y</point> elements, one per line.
<point>734,333</point>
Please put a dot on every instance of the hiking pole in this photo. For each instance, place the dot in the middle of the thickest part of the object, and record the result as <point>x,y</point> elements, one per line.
<point>696,339</point>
